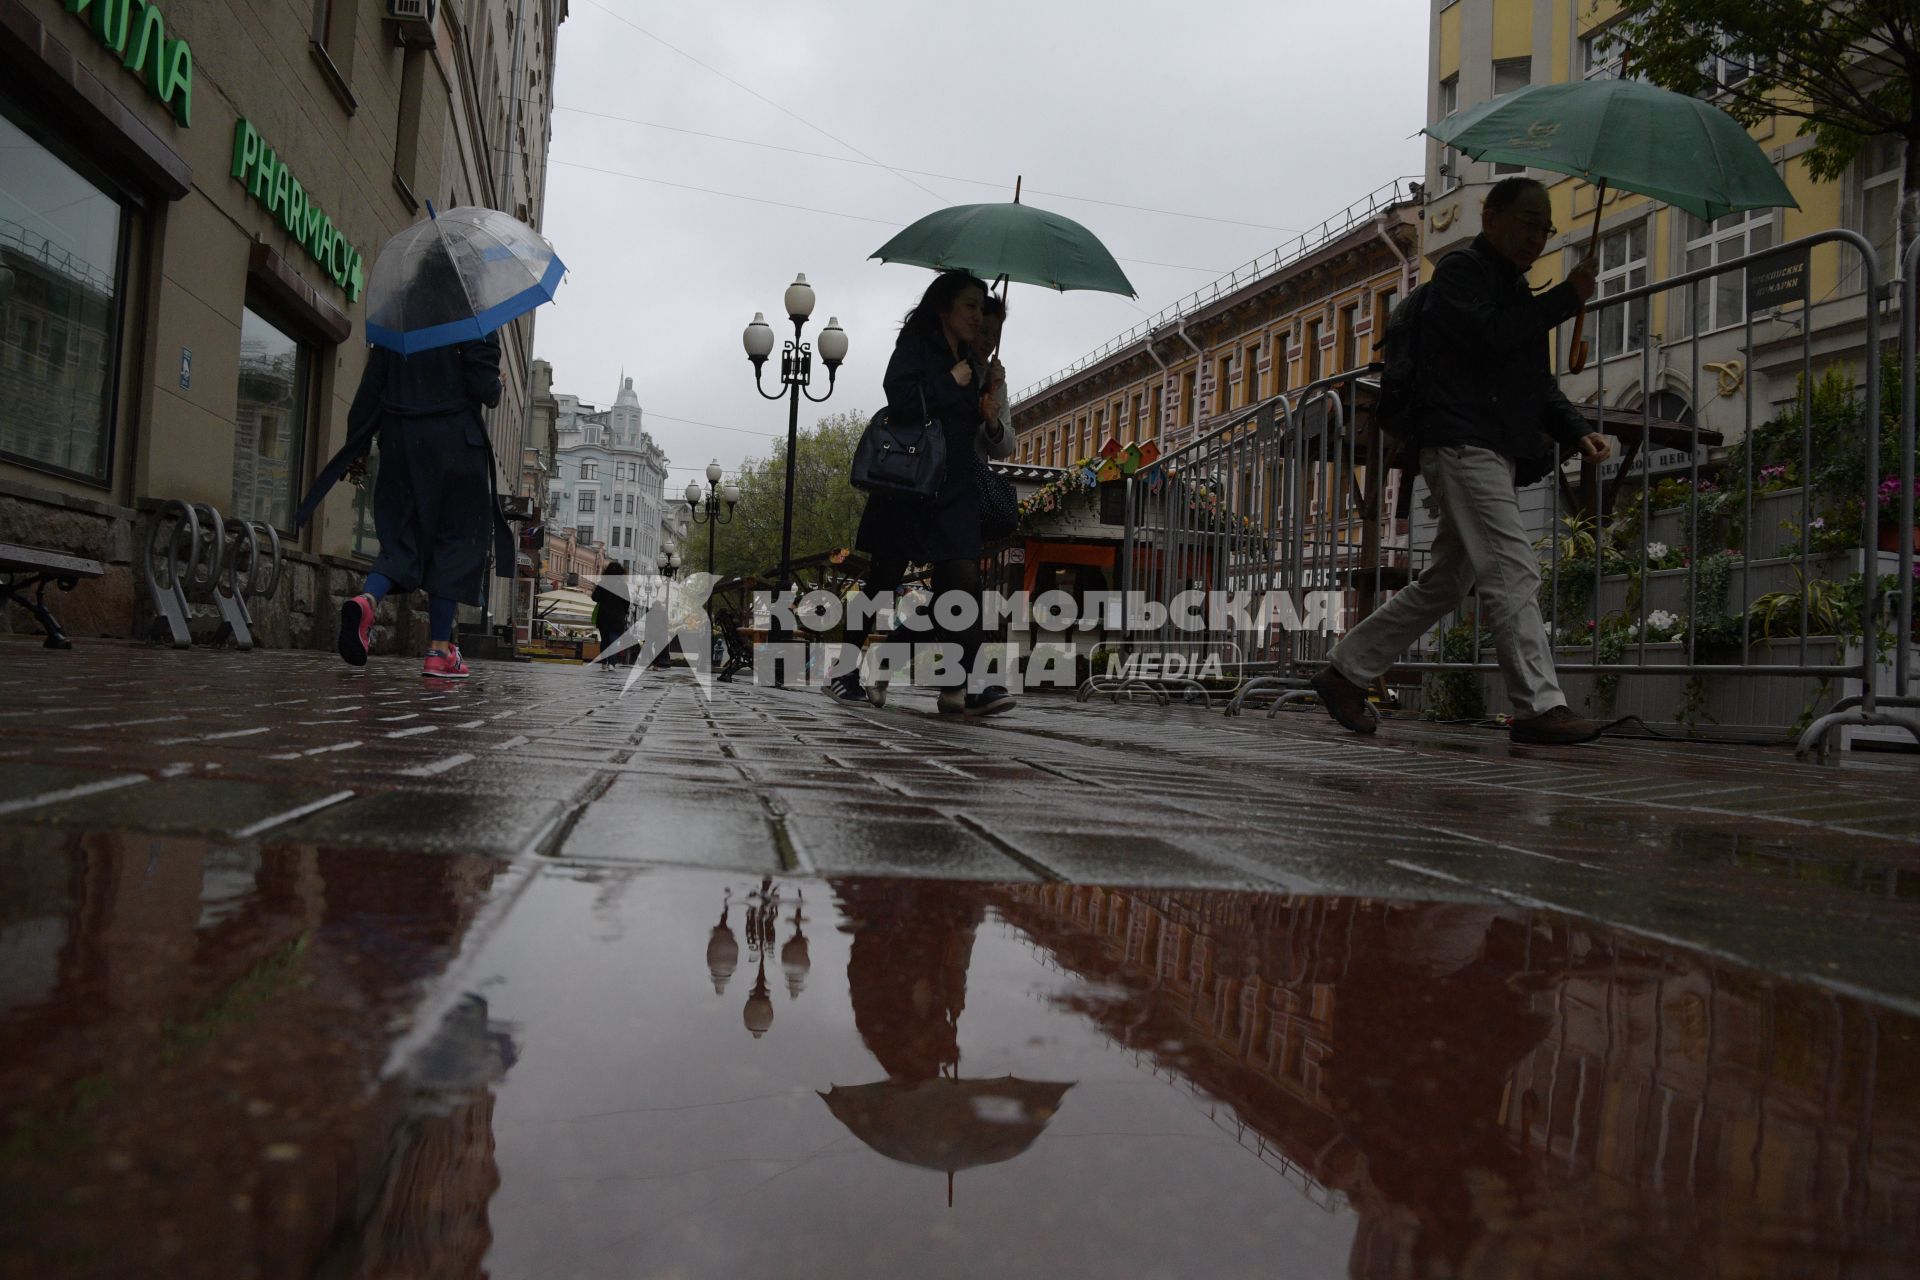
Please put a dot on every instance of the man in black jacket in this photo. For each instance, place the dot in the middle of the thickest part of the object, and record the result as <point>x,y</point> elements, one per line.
<point>1484,394</point>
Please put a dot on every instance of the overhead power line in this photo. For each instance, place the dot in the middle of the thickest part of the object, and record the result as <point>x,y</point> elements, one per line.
<point>762,97</point>
<point>831,213</point>
<point>945,177</point>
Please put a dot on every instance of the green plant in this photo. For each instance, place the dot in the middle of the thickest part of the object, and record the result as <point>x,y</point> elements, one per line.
<point>1611,648</point>
<point>1455,695</point>
<point>1572,539</point>
<point>1780,612</point>
<point>1693,703</point>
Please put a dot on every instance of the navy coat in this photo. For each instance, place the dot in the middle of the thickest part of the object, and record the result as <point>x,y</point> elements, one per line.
<point>433,501</point>
<point>948,526</point>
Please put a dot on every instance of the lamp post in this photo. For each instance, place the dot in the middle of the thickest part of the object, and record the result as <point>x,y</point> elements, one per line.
<point>796,374</point>
<point>668,562</point>
<point>716,507</point>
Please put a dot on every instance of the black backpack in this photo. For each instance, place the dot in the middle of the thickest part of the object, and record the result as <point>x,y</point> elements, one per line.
<point>1394,411</point>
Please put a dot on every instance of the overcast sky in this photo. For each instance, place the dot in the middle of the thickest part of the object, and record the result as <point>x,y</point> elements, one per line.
<point>1277,113</point>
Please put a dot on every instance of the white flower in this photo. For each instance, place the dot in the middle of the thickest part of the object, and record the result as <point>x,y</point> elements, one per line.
<point>1655,550</point>
<point>1660,620</point>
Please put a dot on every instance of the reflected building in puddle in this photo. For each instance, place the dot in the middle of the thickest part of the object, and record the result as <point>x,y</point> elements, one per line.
<point>1497,1092</point>
<point>192,1041</point>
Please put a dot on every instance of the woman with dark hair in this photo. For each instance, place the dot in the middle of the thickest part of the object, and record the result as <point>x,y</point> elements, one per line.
<point>932,374</point>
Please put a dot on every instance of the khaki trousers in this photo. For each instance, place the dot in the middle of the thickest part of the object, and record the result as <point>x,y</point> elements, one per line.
<point>1481,547</point>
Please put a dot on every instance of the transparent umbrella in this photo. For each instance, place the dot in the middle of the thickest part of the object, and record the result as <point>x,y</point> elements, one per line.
<point>457,277</point>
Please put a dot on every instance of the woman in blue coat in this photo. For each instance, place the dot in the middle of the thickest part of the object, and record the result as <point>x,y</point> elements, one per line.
<point>932,373</point>
<point>433,502</point>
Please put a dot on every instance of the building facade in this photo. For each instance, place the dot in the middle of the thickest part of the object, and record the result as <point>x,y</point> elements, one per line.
<point>610,479</point>
<point>1479,49</point>
<point>190,206</point>
<point>1309,309</point>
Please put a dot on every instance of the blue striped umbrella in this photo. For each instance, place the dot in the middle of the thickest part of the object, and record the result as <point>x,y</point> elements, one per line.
<point>457,277</point>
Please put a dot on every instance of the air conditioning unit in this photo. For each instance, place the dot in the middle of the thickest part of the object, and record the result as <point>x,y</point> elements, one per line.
<point>411,22</point>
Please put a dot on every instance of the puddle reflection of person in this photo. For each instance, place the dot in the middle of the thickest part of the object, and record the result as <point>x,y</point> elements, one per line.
<point>907,971</point>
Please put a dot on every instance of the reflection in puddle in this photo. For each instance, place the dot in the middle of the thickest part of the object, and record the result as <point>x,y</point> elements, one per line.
<point>1029,1080</point>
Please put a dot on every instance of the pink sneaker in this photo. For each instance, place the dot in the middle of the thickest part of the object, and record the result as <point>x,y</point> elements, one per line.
<point>445,666</point>
<point>356,630</point>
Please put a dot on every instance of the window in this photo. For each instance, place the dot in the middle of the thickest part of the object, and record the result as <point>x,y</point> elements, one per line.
<point>1188,397</point>
<point>1722,69</point>
<point>1223,386</point>
<point>589,471</point>
<point>1152,429</point>
<point>1137,427</point>
<point>1722,300</point>
<point>1349,340</point>
<point>630,501</point>
<point>1451,161</point>
<point>270,422</point>
<point>333,23</point>
<point>1250,374</point>
<point>1382,309</point>
<point>1510,74</point>
<point>366,540</point>
<point>1880,199</point>
<point>1086,435</point>
<point>586,501</point>
<point>584,534</point>
<point>1599,55</point>
<point>1280,358</point>
<point>1053,446</point>
<point>1313,351</point>
<point>1623,266</point>
<point>406,134</point>
<point>61,240</point>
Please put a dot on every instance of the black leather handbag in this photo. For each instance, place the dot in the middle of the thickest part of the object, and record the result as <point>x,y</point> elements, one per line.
<point>901,458</point>
<point>999,505</point>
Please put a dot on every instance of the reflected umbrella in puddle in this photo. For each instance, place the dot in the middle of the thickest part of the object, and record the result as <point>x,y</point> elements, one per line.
<point>907,974</point>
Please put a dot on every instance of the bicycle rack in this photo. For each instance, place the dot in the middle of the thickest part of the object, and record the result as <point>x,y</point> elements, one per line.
<point>204,554</point>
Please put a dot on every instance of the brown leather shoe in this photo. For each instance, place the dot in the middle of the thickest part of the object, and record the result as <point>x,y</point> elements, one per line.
<point>1345,701</point>
<point>1556,728</point>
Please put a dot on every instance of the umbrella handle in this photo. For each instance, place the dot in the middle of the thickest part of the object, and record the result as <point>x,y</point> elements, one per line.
<point>1577,355</point>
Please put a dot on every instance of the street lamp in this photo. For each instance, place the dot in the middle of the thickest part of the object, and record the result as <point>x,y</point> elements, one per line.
<point>716,507</point>
<point>796,374</point>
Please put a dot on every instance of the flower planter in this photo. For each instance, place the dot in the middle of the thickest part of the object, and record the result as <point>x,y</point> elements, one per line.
<point>1890,538</point>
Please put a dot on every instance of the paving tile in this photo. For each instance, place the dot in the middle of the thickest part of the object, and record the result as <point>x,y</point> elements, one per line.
<point>859,845</point>
<point>186,805</point>
<point>731,836</point>
<point>430,822</point>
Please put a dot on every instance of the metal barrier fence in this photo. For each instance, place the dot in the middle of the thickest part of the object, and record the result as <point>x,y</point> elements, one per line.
<point>1775,570</point>
<point>190,549</point>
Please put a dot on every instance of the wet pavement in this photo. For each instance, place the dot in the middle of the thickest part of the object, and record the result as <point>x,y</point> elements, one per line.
<point>314,973</point>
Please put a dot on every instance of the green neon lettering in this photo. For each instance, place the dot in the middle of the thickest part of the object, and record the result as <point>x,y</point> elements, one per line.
<point>355,281</point>
<point>179,82</point>
<point>146,35</point>
<point>294,211</point>
<point>262,185</point>
<point>110,23</point>
<point>282,190</point>
<point>246,149</point>
<point>309,232</point>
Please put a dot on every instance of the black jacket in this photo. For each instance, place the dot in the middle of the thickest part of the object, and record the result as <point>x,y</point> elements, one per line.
<point>920,372</point>
<point>1484,376</point>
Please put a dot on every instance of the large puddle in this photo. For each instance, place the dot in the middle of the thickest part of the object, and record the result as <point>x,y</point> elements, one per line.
<point>327,1063</point>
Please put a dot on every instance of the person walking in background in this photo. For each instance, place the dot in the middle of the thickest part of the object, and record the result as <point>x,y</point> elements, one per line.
<point>433,500</point>
<point>611,609</point>
<point>931,373</point>
<point>1483,392</point>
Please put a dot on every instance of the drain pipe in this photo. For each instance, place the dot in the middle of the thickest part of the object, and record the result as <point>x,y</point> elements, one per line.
<point>1406,263</point>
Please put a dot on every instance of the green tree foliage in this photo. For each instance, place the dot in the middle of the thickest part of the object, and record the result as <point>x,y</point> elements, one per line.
<point>1844,68</point>
<point>826,507</point>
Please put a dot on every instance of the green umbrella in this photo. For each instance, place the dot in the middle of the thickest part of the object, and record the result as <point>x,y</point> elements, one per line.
<point>1628,134</point>
<point>1631,135</point>
<point>1015,241</point>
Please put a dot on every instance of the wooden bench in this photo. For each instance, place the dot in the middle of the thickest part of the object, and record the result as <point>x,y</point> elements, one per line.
<point>24,569</point>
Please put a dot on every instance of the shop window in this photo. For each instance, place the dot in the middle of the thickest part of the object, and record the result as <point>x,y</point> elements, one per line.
<point>366,540</point>
<point>270,421</point>
<point>61,291</point>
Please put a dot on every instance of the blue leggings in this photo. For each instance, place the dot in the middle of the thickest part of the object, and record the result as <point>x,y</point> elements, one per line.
<point>439,608</point>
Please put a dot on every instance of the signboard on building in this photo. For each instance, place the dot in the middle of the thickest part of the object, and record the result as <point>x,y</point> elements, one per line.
<point>1659,462</point>
<point>136,31</point>
<point>1777,280</point>
<point>270,182</point>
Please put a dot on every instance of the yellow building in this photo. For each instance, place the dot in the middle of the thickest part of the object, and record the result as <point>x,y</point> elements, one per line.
<point>1311,308</point>
<point>1479,49</point>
